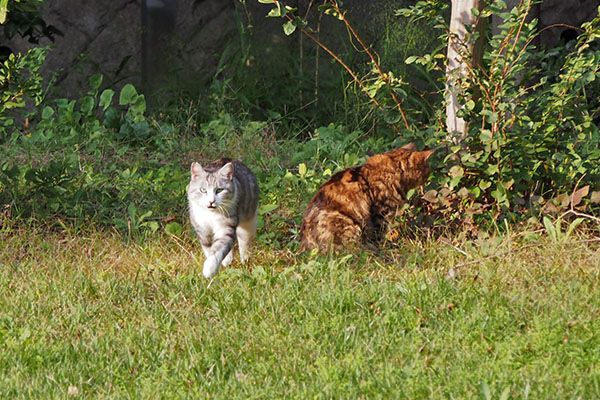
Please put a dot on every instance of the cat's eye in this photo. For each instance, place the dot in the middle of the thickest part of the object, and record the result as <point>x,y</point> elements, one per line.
<point>202,190</point>
<point>219,190</point>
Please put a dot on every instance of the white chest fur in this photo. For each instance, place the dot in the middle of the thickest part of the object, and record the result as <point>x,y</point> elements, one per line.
<point>210,221</point>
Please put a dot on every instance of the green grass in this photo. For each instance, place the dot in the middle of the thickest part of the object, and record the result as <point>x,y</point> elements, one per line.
<point>110,320</point>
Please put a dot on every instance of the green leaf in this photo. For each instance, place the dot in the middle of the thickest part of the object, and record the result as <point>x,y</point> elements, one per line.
<point>401,92</point>
<point>3,10</point>
<point>589,76</point>
<point>131,209</point>
<point>47,112</point>
<point>106,98</point>
<point>508,184</point>
<point>289,27</point>
<point>152,226</point>
<point>485,136</point>
<point>25,334</point>
<point>10,29</point>
<point>505,393</point>
<point>267,208</point>
<point>499,194</point>
<point>571,227</point>
<point>492,169</point>
<point>302,169</point>
<point>87,105</point>
<point>410,60</point>
<point>491,116</point>
<point>139,106</point>
<point>550,228</point>
<point>96,81</point>
<point>128,95</point>
<point>277,12</point>
<point>484,390</point>
<point>174,228</point>
<point>144,216</point>
<point>454,181</point>
<point>392,116</point>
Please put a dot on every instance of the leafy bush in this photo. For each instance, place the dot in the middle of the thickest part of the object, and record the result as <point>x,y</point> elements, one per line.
<point>86,160</point>
<point>20,81</point>
<point>532,129</point>
<point>25,18</point>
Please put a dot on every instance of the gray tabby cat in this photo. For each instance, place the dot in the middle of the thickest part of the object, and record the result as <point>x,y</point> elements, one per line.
<point>223,199</point>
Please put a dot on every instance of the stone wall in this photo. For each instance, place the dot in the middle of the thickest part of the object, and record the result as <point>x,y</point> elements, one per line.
<point>98,36</point>
<point>108,36</point>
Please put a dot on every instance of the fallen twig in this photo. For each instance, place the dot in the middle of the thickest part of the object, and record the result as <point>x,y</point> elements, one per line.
<point>580,214</point>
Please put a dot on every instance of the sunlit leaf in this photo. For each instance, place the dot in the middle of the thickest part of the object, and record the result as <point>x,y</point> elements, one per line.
<point>289,27</point>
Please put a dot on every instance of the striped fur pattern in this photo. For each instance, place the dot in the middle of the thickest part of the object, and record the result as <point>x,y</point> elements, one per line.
<point>223,200</point>
<point>354,205</point>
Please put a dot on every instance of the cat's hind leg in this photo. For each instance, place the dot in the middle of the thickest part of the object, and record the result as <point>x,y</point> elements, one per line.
<point>330,230</point>
<point>246,232</point>
<point>228,258</point>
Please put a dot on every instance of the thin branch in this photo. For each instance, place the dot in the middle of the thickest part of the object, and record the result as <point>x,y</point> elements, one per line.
<point>373,59</point>
<point>341,62</point>
<point>538,34</point>
<point>528,8</point>
<point>571,209</point>
<point>580,214</point>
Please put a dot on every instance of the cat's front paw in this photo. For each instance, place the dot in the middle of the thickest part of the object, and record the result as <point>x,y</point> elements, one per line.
<point>210,268</point>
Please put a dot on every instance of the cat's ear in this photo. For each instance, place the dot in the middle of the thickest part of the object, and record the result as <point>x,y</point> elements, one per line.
<point>226,171</point>
<point>196,170</point>
<point>409,146</point>
<point>421,157</point>
<point>425,154</point>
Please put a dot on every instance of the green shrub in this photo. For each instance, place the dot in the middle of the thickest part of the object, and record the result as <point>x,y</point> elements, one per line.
<point>532,118</point>
<point>87,160</point>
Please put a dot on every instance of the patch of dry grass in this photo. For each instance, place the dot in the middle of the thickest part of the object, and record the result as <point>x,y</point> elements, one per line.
<point>432,318</point>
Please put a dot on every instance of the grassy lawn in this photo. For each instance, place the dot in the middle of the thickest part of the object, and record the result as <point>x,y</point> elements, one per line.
<point>85,315</point>
<point>112,304</point>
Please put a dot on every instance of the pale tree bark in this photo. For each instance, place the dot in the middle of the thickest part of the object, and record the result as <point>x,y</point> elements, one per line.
<point>458,66</point>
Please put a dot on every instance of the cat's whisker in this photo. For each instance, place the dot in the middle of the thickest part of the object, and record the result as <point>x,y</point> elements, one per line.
<point>224,211</point>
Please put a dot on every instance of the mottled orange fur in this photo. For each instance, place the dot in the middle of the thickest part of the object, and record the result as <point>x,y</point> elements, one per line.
<point>355,204</point>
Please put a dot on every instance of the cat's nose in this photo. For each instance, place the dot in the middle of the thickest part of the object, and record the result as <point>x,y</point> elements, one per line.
<point>211,204</point>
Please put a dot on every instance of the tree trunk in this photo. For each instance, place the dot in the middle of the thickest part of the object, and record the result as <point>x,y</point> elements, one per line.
<point>458,66</point>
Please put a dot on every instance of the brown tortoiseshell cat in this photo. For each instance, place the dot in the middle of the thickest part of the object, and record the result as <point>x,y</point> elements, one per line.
<point>355,204</point>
